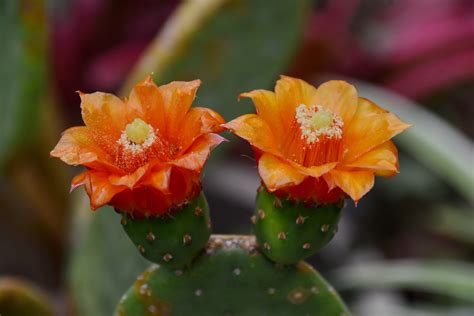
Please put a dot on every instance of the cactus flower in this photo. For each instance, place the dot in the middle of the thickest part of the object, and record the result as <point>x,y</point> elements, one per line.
<point>143,154</point>
<point>319,144</point>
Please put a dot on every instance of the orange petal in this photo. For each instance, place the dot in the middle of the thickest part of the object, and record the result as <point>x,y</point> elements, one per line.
<point>383,159</point>
<point>355,183</point>
<point>329,180</point>
<point>142,202</point>
<point>105,116</point>
<point>267,108</point>
<point>160,179</point>
<point>184,184</point>
<point>178,97</point>
<point>79,180</point>
<point>98,187</point>
<point>276,173</point>
<point>77,147</point>
<point>314,171</point>
<point>370,127</point>
<point>338,96</point>
<point>146,102</point>
<point>255,130</point>
<point>290,93</point>
<point>129,180</point>
<point>196,155</point>
<point>197,122</point>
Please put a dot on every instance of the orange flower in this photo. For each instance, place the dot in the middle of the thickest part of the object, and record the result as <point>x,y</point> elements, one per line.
<point>315,144</point>
<point>144,154</point>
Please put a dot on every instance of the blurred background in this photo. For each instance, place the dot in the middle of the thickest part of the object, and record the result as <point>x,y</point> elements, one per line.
<point>406,249</point>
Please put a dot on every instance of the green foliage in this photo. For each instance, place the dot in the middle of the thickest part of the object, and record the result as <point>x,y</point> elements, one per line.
<point>103,263</point>
<point>211,41</point>
<point>23,65</point>
<point>391,308</point>
<point>288,231</point>
<point>232,278</point>
<point>455,222</point>
<point>173,239</point>
<point>454,279</point>
<point>18,298</point>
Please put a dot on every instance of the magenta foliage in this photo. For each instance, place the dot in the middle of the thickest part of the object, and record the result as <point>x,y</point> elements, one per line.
<point>96,42</point>
<point>432,41</point>
<point>414,47</point>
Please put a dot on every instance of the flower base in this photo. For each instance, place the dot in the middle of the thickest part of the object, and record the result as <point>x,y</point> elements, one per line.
<point>173,239</point>
<point>288,231</point>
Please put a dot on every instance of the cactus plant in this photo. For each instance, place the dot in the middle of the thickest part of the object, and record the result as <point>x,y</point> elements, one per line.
<point>289,231</point>
<point>172,239</point>
<point>154,181</point>
<point>231,278</point>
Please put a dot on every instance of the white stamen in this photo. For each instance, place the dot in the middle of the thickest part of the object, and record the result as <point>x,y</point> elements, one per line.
<point>305,117</point>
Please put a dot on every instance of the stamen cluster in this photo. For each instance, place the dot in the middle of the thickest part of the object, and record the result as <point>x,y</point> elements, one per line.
<point>314,124</point>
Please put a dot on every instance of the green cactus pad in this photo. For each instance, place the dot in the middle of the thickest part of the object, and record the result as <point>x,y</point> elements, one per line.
<point>288,232</point>
<point>232,278</point>
<point>172,239</point>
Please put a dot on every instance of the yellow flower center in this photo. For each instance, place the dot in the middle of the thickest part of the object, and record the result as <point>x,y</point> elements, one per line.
<point>137,136</point>
<point>138,131</point>
<point>321,119</point>
<point>317,122</point>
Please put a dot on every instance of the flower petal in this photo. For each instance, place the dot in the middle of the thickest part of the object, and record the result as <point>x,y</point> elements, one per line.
<point>370,127</point>
<point>129,180</point>
<point>184,185</point>
<point>77,147</point>
<point>290,93</point>
<point>329,180</point>
<point>160,179</point>
<point>355,183</point>
<point>98,187</point>
<point>197,122</point>
<point>383,159</point>
<point>276,173</point>
<point>338,96</point>
<point>196,155</point>
<point>146,102</point>
<point>178,97</point>
<point>105,116</point>
<point>267,108</point>
<point>314,171</point>
<point>79,180</point>
<point>255,130</point>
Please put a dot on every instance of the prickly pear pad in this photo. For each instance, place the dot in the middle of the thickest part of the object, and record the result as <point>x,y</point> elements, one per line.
<point>232,278</point>
<point>173,239</point>
<point>288,231</point>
